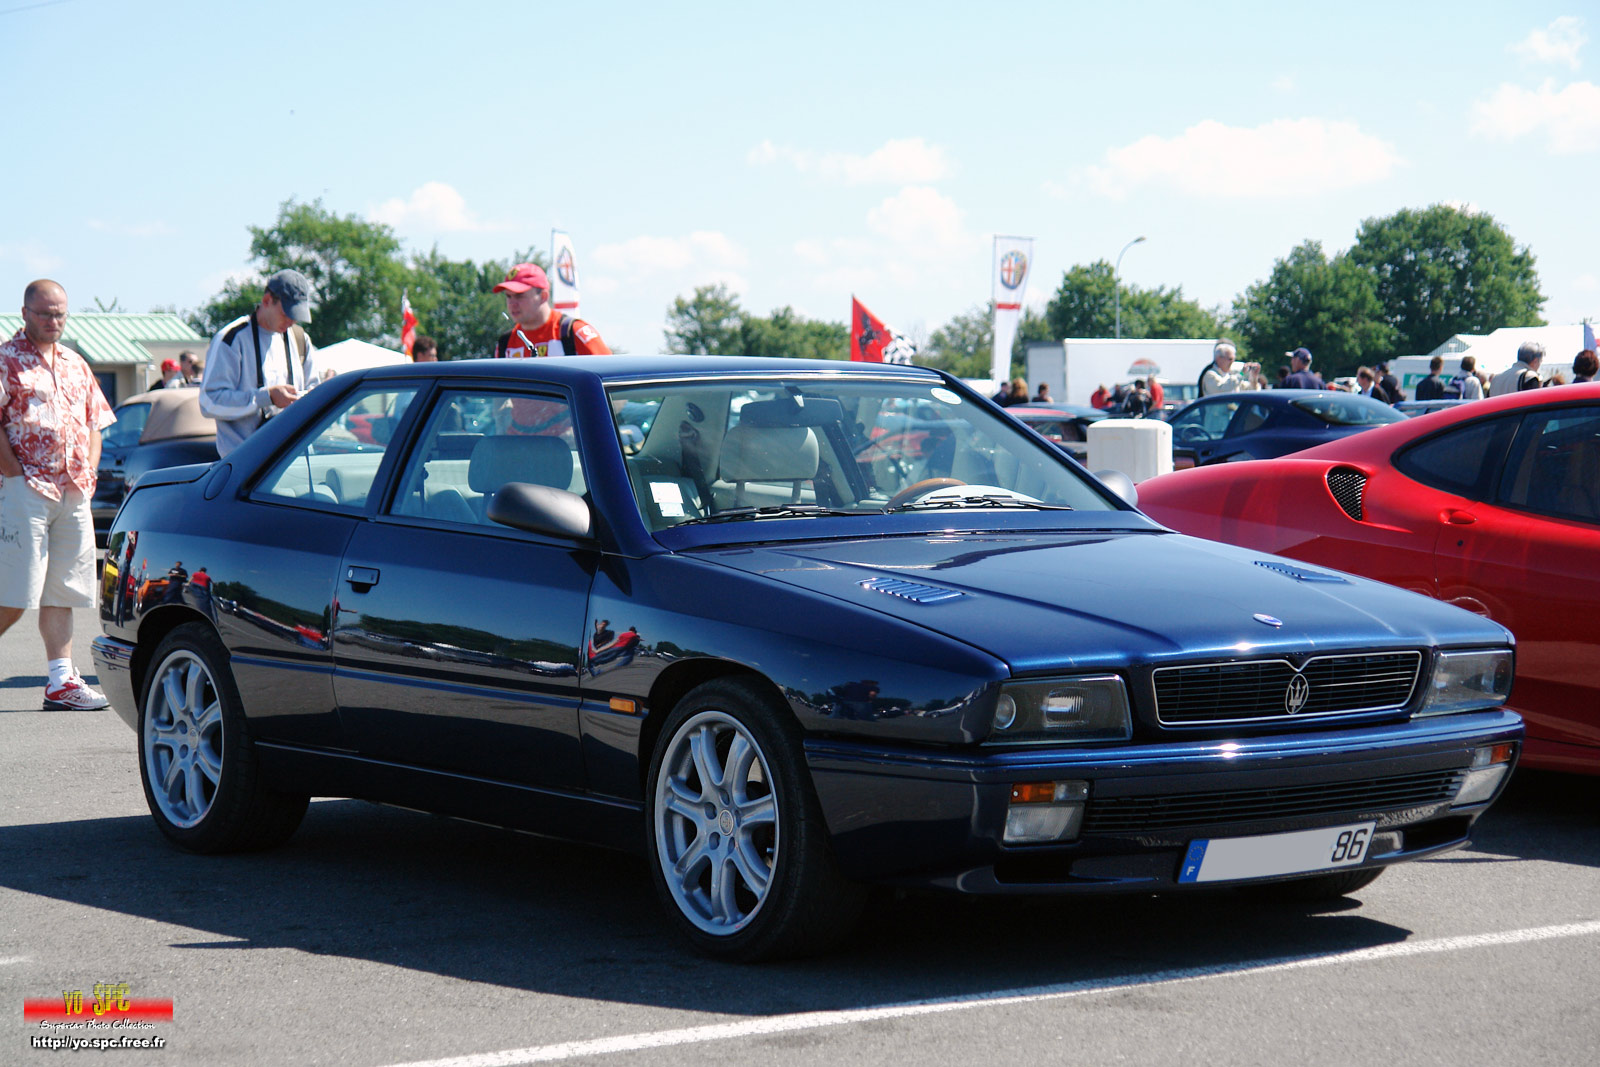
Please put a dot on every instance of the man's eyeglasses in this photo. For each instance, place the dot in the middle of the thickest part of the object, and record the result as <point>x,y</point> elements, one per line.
<point>48,316</point>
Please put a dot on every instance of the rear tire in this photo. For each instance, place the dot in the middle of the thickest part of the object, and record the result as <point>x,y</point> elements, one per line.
<point>196,759</point>
<point>739,851</point>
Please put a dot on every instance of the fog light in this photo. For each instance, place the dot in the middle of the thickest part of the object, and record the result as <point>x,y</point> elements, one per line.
<point>1045,811</point>
<point>1490,765</point>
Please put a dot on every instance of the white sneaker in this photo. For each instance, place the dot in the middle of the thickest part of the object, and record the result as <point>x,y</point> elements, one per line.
<point>74,695</point>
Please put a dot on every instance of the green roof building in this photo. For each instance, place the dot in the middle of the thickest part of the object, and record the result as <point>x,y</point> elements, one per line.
<point>124,351</point>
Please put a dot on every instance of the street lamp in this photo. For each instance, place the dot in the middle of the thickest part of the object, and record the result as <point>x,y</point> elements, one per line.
<point>1116,289</point>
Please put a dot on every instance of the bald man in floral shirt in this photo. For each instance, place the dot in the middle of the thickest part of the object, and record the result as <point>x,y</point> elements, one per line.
<point>53,412</point>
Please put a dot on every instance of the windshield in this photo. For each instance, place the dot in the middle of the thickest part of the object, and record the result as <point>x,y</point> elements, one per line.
<point>1349,410</point>
<point>725,451</point>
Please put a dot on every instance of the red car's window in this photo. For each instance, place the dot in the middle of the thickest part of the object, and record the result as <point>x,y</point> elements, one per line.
<point>1465,460</point>
<point>1555,469</point>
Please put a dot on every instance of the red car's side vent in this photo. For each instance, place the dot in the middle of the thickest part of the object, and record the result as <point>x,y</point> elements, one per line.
<point>1347,484</point>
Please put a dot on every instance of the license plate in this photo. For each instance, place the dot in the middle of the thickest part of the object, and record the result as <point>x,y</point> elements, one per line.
<point>1220,859</point>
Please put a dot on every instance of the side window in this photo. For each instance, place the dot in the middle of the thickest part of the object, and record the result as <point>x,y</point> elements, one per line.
<point>1206,422</point>
<point>476,441</point>
<point>1555,468</point>
<point>1251,417</point>
<point>335,462</point>
<point>129,425</point>
<point>1465,461</point>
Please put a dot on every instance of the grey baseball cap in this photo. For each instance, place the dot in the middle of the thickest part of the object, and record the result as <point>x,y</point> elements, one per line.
<point>294,292</point>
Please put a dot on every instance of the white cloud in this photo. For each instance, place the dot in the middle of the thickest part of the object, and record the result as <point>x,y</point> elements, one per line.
<point>1283,83</point>
<point>33,256</point>
<point>1569,118</point>
<point>919,216</point>
<point>898,161</point>
<point>1558,42</point>
<point>432,206</point>
<point>1283,158</point>
<point>706,250</point>
<point>130,229</point>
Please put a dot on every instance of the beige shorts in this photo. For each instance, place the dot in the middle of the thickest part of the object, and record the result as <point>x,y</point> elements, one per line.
<point>46,548</point>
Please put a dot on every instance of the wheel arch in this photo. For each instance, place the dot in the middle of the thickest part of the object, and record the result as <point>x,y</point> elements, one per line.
<point>156,624</point>
<point>677,681</point>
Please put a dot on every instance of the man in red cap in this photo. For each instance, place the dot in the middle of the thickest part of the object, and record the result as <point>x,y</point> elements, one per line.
<point>171,374</point>
<point>536,330</point>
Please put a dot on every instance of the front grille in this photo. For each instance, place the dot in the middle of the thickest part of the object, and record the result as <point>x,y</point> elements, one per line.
<point>1148,814</point>
<point>1267,689</point>
<point>1347,484</point>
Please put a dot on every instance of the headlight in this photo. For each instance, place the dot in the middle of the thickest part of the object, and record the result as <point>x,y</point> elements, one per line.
<point>1468,681</point>
<point>1062,711</point>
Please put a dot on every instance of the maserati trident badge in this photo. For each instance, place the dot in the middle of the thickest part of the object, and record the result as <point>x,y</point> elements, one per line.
<point>1267,620</point>
<point>1299,692</point>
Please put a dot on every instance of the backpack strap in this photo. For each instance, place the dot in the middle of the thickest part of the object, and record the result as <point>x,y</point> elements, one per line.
<point>567,330</point>
<point>502,343</point>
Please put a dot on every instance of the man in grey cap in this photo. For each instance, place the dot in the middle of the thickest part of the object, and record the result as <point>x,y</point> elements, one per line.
<point>256,365</point>
<point>1523,374</point>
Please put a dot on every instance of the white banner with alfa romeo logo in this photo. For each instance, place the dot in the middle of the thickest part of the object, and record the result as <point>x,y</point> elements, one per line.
<point>563,272</point>
<point>1013,257</point>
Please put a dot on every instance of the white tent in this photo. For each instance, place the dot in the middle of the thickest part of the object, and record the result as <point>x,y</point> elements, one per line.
<point>350,354</point>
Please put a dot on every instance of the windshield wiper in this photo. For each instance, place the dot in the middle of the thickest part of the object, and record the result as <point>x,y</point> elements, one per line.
<point>775,511</point>
<point>979,500</point>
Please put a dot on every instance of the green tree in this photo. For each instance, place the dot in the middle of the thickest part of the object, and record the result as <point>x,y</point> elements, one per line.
<point>785,334</point>
<point>355,265</point>
<point>1440,271</point>
<point>706,324</point>
<point>1085,305</point>
<point>964,345</point>
<point>1330,307</point>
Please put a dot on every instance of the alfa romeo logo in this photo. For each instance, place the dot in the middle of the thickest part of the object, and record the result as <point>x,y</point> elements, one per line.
<point>1013,268</point>
<point>1299,692</point>
<point>565,270</point>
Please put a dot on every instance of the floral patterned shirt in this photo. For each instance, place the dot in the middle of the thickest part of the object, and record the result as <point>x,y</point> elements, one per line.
<point>49,413</point>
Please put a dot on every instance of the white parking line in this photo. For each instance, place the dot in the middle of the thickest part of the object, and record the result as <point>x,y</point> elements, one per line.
<point>13,959</point>
<point>779,1024</point>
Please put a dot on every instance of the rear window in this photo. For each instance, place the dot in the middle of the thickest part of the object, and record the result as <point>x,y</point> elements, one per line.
<point>1464,461</point>
<point>1348,410</point>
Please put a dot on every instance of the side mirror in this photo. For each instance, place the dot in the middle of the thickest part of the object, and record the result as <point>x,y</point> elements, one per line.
<point>542,510</point>
<point>1120,484</point>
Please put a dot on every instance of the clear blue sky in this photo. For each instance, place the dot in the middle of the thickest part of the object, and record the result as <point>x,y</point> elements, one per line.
<point>799,153</point>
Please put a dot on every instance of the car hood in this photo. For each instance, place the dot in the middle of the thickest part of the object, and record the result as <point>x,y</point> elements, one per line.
<point>1045,601</point>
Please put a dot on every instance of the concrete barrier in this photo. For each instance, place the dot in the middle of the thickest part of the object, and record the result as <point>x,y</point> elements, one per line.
<point>1139,448</point>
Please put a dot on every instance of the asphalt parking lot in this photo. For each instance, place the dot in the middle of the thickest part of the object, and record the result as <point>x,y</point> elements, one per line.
<point>379,936</point>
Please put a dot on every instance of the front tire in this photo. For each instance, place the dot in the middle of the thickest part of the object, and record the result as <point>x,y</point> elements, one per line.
<point>739,852</point>
<point>196,759</point>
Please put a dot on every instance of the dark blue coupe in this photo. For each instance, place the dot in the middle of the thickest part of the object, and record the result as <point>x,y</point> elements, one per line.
<point>786,627</point>
<point>1269,423</point>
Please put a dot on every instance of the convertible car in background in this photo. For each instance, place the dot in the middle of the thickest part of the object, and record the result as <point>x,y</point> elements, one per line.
<point>1493,505</point>
<point>161,428</point>
<point>706,609</point>
<point>1269,423</point>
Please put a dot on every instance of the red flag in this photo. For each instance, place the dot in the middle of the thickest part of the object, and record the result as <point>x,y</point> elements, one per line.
<point>408,323</point>
<point>868,334</point>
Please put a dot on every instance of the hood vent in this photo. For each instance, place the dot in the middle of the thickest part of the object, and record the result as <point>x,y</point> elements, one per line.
<point>1347,484</point>
<point>913,591</point>
<point>1300,574</point>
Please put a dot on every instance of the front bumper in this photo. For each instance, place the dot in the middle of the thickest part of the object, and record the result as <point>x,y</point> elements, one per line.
<point>926,817</point>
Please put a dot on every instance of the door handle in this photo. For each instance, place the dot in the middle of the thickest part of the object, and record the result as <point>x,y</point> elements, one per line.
<point>1459,518</point>
<point>361,578</point>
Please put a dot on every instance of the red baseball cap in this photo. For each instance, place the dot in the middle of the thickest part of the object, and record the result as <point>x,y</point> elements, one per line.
<point>522,277</point>
<point>169,364</point>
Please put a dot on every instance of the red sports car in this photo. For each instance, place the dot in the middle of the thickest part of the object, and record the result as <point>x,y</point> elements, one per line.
<point>1494,505</point>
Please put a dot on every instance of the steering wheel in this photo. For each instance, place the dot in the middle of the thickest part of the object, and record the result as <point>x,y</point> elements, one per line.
<point>1193,432</point>
<point>918,490</point>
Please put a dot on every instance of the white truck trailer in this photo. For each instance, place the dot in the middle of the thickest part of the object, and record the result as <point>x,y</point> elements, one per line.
<point>1078,366</point>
